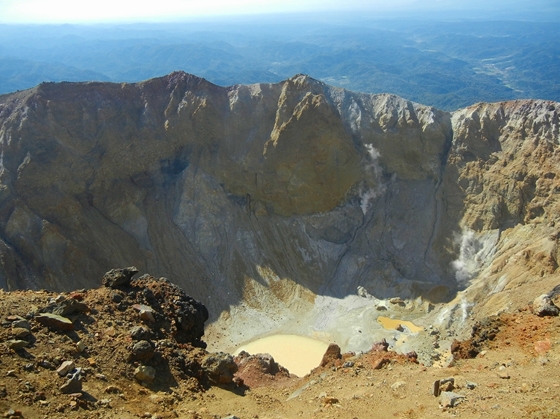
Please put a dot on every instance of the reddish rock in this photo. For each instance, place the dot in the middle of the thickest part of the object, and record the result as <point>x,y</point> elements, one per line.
<point>331,356</point>
<point>464,349</point>
<point>380,363</point>
<point>380,346</point>
<point>258,370</point>
<point>543,346</point>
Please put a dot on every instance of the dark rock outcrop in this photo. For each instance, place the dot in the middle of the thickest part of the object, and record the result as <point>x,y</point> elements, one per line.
<point>219,367</point>
<point>483,332</point>
<point>119,277</point>
<point>142,351</point>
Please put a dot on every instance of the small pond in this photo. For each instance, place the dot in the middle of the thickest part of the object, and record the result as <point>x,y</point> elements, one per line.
<point>299,354</point>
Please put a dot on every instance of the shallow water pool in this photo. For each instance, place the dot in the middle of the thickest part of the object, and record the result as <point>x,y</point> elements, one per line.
<point>389,324</point>
<point>299,354</point>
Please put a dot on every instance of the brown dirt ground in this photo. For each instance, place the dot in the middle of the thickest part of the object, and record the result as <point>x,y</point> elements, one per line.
<point>516,376</point>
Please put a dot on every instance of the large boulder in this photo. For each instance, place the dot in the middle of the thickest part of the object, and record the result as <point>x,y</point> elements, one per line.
<point>54,321</point>
<point>119,277</point>
<point>259,369</point>
<point>219,367</point>
<point>331,356</point>
<point>142,350</point>
<point>544,306</point>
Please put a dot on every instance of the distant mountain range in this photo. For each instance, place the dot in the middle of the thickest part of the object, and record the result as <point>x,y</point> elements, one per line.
<point>443,64</point>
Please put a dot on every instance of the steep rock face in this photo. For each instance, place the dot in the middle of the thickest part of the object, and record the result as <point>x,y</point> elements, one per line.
<point>501,183</point>
<point>291,190</point>
<point>515,146</point>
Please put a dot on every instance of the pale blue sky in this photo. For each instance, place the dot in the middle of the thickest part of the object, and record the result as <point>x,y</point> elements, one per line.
<point>77,11</point>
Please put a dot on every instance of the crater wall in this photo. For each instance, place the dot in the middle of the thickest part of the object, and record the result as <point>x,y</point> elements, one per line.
<point>275,193</point>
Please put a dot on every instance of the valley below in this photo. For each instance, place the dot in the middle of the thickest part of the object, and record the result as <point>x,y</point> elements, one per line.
<point>383,226</point>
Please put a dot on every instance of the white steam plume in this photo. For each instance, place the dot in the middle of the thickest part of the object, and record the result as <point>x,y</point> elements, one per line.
<point>374,167</point>
<point>474,252</point>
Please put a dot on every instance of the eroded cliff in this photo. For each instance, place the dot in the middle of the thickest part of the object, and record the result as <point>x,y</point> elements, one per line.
<point>270,196</point>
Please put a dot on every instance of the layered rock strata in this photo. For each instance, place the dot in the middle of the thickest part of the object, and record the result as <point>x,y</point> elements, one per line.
<point>273,194</point>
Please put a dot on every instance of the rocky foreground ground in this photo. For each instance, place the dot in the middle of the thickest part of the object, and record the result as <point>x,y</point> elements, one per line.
<point>133,348</point>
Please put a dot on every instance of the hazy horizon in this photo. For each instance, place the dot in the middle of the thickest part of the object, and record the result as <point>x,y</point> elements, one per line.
<point>446,53</point>
<point>128,11</point>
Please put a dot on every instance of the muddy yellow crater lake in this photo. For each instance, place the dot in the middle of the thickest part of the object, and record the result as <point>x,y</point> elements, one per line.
<point>391,324</point>
<point>299,354</point>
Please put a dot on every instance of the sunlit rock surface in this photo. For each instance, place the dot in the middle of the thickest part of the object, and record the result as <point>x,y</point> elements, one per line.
<point>280,198</point>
